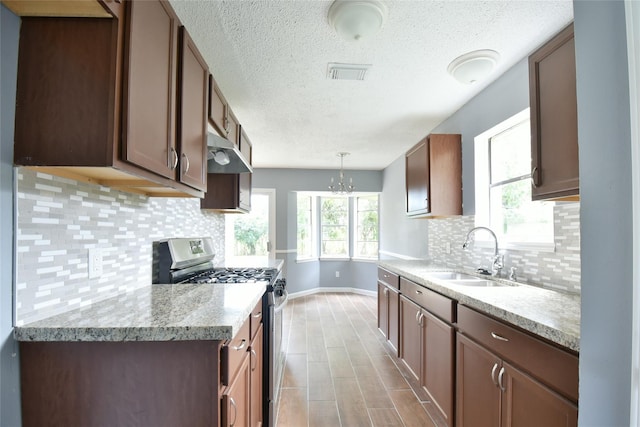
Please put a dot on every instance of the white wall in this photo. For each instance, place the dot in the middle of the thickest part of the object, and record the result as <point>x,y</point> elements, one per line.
<point>9,365</point>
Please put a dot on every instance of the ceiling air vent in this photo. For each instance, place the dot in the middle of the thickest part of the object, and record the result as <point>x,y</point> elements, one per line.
<point>337,71</point>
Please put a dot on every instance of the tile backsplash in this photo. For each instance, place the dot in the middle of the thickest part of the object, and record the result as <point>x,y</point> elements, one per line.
<point>59,219</point>
<point>558,270</point>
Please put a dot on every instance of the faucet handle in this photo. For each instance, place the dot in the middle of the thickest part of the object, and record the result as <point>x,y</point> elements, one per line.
<point>512,274</point>
<point>498,263</point>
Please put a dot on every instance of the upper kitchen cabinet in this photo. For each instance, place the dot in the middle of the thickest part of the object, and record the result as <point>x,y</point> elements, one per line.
<point>220,114</point>
<point>119,102</point>
<point>230,192</point>
<point>434,176</point>
<point>554,122</point>
<point>193,75</point>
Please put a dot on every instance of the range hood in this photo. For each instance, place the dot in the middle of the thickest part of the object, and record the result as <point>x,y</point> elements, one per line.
<point>223,156</point>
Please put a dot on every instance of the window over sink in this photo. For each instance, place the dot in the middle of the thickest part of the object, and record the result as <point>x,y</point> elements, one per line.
<point>503,187</point>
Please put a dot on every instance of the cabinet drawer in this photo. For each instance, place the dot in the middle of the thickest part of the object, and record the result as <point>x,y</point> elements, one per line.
<point>555,367</point>
<point>441,306</point>
<point>255,320</point>
<point>233,352</point>
<point>388,278</point>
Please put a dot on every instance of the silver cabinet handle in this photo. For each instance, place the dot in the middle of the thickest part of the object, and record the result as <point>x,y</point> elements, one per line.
<point>254,358</point>
<point>386,291</point>
<point>533,177</point>
<point>242,345</point>
<point>418,292</point>
<point>418,316</point>
<point>174,154</point>
<point>499,337</point>
<point>186,169</point>
<point>500,378</point>
<point>235,411</point>
<point>493,374</point>
<point>420,320</point>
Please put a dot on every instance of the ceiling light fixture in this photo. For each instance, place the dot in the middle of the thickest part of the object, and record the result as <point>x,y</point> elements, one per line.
<point>357,19</point>
<point>473,66</point>
<point>341,187</point>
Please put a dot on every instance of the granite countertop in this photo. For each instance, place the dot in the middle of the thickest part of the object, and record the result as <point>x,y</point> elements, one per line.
<point>156,313</point>
<point>550,314</point>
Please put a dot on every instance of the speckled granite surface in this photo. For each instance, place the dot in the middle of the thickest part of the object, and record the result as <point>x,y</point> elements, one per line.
<point>549,314</point>
<point>155,313</point>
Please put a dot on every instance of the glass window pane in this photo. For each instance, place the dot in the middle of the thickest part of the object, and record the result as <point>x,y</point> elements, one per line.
<point>304,230</point>
<point>251,230</point>
<point>366,245</point>
<point>514,214</point>
<point>511,153</point>
<point>334,248</point>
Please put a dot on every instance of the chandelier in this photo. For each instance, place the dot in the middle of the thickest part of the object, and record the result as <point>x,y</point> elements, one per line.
<point>340,187</point>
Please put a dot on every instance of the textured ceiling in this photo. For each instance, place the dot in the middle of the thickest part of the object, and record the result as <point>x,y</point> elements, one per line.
<point>270,59</point>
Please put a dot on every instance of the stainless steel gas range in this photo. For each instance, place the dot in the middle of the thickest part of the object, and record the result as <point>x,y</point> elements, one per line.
<point>190,261</point>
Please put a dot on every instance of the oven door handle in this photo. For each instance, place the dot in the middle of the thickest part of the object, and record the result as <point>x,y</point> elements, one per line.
<point>281,306</point>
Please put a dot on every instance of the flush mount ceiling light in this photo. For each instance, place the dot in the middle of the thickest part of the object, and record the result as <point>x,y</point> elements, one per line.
<point>357,19</point>
<point>341,187</point>
<point>473,66</point>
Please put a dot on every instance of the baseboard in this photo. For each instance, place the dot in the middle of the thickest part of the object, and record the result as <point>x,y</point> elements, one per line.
<point>294,295</point>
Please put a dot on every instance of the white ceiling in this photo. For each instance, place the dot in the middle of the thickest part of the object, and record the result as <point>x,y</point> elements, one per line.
<point>270,59</point>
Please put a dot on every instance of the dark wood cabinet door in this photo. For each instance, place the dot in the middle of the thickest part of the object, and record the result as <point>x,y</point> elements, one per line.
<point>445,169</point>
<point>150,87</point>
<point>383,309</point>
<point>410,335</point>
<point>394,318</point>
<point>192,114</point>
<point>528,403</point>
<point>256,357</point>
<point>477,393</point>
<point>236,399</point>
<point>554,123</point>
<point>233,127</point>
<point>417,178</point>
<point>438,364</point>
<point>217,108</point>
<point>65,109</point>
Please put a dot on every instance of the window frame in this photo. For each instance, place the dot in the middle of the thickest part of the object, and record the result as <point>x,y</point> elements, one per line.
<point>313,228</point>
<point>354,229</point>
<point>483,187</point>
<point>321,226</point>
<point>351,224</point>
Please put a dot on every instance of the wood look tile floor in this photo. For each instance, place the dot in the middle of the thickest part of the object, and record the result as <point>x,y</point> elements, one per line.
<point>340,372</point>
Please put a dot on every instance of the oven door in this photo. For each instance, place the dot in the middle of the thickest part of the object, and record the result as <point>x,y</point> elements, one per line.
<point>277,299</point>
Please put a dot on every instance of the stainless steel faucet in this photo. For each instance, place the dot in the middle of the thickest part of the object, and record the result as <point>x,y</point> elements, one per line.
<point>498,259</point>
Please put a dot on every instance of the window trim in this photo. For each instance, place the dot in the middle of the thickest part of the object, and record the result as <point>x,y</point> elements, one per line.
<point>483,186</point>
<point>313,229</point>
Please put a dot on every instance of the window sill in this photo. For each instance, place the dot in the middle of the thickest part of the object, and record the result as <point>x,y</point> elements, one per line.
<point>303,260</point>
<point>346,258</point>
<point>360,259</point>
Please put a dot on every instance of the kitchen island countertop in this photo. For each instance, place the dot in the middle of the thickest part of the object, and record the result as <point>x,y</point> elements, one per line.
<point>550,314</point>
<point>179,312</point>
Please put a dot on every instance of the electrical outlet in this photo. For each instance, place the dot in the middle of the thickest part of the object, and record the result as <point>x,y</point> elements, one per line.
<point>95,262</point>
<point>337,274</point>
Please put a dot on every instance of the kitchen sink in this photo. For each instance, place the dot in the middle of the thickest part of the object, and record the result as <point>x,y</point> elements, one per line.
<point>462,279</point>
<point>451,275</point>
<point>476,283</point>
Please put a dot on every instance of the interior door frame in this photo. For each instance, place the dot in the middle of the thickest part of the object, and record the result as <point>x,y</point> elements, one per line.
<point>271,192</point>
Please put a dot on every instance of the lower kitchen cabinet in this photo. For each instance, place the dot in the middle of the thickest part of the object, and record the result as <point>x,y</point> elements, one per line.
<point>427,343</point>
<point>410,335</point>
<point>236,400</point>
<point>516,380</point>
<point>388,307</point>
<point>256,381</point>
<point>438,363</point>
